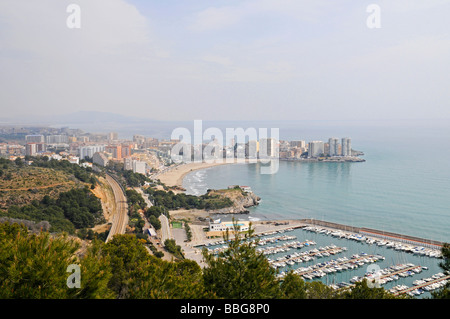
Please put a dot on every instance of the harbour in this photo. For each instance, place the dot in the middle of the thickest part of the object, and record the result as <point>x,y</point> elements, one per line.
<point>341,255</point>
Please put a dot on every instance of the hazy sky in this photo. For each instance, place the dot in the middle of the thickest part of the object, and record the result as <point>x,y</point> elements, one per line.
<point>211,60</point>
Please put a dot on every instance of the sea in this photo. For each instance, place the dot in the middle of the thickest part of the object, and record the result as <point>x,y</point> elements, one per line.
<point>402,187</point>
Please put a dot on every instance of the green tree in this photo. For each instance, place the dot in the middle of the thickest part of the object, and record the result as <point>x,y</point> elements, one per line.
<point>361,290</point>
<point>155,222</point>
<point>18,161</point>
<point>240,272</point>
<point>34,266</point>
<point>137,274</point>
<point>127,258</point>
<point>95,274</point>
<point>161,279</point>
<point>171,246</point>
<point>293,287</point>
<point>444,293</point>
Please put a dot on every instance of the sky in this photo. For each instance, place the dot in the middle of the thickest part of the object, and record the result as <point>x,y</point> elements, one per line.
<point>226,60</point>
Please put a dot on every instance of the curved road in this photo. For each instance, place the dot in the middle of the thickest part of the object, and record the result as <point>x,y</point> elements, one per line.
<point>120,218</point>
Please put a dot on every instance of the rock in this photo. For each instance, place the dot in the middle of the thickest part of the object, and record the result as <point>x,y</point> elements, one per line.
<point>240,204</point>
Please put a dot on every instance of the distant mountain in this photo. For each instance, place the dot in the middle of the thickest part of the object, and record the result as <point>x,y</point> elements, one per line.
<point>99,122</point>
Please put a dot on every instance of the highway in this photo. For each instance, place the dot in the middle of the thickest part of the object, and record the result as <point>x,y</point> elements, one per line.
<point>120,218</point>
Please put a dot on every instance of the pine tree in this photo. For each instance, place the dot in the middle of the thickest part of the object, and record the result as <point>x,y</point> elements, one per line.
<point>240,272</point>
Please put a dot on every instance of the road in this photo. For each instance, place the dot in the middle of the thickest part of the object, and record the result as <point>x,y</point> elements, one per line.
<point>120,218</point>
<point>165,227</point>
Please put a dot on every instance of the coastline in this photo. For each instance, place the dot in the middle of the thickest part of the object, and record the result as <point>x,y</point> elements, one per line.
<point>175,175</point>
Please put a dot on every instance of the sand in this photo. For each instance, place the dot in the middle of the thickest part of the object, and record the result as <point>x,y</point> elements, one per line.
<point>175,175</point>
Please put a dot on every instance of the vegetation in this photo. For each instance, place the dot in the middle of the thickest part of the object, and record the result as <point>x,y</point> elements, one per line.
<point>171,246</point>
<point>444,293</point>
<point>187,228</point>
<point>135,200</point>
<point>75,209</point>
<point>240,272</point>
<point>152,214</point>
<point>128,177</point>
<point>172,201</point>
<point>83,174</point>
<point>34,265</point>
<point>21,184</point>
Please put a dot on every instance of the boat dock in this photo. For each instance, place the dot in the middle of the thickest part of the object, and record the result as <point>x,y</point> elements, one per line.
<point>334,265</point>
<point>432,284</point>
<point>377,233</point>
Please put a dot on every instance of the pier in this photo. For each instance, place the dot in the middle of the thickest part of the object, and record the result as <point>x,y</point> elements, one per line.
<point>356,262</point>
<point>428,283</point>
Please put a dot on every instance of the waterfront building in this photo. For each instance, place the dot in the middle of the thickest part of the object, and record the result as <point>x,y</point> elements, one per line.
<point>346,146</point>
<point>252,149</point>
<point>333,146</point>
<point>268,147</point>
<point>316,149</point>
<point>218,226</point>
<point>301,144</point>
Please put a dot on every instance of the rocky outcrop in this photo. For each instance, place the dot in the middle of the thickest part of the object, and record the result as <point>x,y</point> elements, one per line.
<point>240,204</point>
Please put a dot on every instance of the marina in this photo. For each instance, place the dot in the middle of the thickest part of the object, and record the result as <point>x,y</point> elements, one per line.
<point>341,257</point>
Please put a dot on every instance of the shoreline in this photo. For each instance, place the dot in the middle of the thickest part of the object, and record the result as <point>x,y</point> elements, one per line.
<point>175,175</point>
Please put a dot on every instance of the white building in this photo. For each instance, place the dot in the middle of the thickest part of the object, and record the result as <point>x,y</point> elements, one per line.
<point>36,138</point>
<point>74,159</point>
<point>333,146</point>
<point>90,150</point>
<point>316,148</point>
<point>136,166</point>
<point>268,147</point>
<point>346,146</point>
<point>139,167</point>
<point>100,158</point>
<point>57,139</point>
<point>217,225</point>
<point>252,149</point>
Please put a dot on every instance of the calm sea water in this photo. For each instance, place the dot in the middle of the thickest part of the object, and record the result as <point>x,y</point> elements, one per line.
<point>403,187</point>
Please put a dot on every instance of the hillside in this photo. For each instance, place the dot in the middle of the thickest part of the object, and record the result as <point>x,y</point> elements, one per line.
<point>22,185</point>
<point>57,192</point>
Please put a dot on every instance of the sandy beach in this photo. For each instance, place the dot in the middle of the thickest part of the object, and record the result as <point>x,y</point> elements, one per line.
<point>174,176</point>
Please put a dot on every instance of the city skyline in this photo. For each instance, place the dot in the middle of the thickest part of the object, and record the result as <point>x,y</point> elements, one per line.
<point>253,60</point>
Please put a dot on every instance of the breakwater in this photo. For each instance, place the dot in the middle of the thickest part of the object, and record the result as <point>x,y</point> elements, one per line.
<point>376,233</point>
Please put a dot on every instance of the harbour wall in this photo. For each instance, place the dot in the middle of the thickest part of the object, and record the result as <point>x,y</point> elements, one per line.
<point>377,233</point>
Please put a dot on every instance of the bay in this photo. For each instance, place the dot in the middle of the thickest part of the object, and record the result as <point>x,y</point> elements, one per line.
<point>403,187</point>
